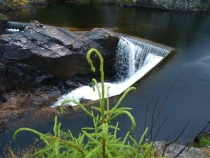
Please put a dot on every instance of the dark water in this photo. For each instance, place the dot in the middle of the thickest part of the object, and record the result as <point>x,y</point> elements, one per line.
<point>188,69</point>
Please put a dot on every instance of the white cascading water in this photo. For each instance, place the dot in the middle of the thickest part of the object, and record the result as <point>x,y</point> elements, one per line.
<point>134,60</point>
<point>13,30</point>
<point>129,59</point>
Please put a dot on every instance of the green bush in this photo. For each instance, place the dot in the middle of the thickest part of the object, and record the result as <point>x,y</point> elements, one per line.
<point>204,141</point>
<point>99,141</point>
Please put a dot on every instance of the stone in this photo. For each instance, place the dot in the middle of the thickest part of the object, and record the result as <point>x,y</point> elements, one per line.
<point>40,63</point>
<point>182,5</point>
<point>41,52</point>
<point>174,149</point>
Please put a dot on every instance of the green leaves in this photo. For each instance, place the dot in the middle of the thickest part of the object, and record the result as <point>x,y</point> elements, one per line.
<point>99,141</point>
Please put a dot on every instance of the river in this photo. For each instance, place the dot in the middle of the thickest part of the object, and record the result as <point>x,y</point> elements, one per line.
<point>180,83</point>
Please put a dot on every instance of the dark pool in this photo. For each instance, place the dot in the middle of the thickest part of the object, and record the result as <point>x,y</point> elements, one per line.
<point>188,69</point>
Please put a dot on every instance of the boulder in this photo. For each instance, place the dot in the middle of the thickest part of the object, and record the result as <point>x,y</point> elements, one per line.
<point>40,63</point>
<point>41,53</point>
<point>177,150</point>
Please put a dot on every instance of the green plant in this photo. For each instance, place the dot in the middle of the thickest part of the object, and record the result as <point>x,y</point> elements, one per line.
<point>100,140</point>
<point>204,141</point>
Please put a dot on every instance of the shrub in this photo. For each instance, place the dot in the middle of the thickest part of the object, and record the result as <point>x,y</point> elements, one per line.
<point>204,141</point>
<point>101,140</point>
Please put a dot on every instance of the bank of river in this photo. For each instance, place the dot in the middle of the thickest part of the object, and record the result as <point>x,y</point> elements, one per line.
<point>195,6</point>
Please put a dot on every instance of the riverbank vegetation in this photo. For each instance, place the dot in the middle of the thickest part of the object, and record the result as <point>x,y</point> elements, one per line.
<point>204,143</point>
<point>163,5</point>
<point>18,4</point>
<point>12,3</point>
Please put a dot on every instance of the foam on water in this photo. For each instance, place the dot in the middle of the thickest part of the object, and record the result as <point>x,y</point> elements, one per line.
<point>134,73</point>
<point>13,30</point>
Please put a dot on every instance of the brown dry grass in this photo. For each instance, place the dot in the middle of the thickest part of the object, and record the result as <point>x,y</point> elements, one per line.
<point>20,2</point>
<point>206,151</point>
<point>19,153</point>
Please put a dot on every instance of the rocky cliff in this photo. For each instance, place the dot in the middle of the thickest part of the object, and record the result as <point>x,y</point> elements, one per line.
<point>184,5</point>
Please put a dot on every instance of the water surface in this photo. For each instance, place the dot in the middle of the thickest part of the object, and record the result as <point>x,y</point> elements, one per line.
<point>187,69</point>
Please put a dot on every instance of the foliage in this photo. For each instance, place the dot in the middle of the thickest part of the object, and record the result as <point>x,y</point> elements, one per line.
<point>204,141</point>
<point>19,153</point>
<point>2,16</point>
<point>101,140</point>
<point>13,3</point>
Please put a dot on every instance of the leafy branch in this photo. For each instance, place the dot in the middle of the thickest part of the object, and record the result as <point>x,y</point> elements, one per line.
<point>102,140</point>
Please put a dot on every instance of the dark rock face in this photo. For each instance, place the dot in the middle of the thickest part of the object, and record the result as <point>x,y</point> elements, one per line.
<point>3,21</point>
<point>42,54</point>
<point>184,5</point>
<point>40,63</point>
<point>173,150</point>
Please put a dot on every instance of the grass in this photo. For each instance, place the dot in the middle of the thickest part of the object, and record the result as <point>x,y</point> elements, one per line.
<point>204,141</point>
<point>19,153</point>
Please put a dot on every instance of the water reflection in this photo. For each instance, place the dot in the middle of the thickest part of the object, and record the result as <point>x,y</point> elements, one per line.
<point>160,26</point>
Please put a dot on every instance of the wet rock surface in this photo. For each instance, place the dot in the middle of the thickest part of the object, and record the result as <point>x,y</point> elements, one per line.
<point>181,5</point>
<point>40,63</point>
<point>3,21</point>
<point>20,102</point>
<point>175,149</point>
<point>39,53</point>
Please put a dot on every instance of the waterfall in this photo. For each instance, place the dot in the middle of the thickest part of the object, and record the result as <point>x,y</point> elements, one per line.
<point>129,59</point>
<point>134,59</point>
<point>131,55</point>
<point>150,47</point>
<point>16,25</point>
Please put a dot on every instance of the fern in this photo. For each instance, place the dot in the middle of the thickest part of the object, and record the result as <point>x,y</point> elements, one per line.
<point>101,142</point>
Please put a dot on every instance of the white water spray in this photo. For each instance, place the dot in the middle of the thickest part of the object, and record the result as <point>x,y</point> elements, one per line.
<point>13,30</point>
<point>134,60</point>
